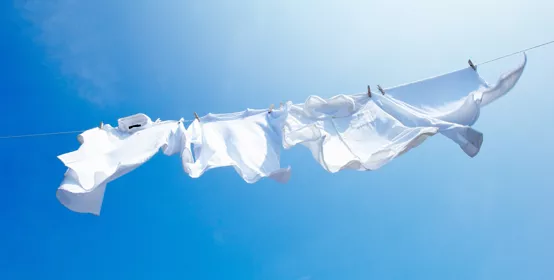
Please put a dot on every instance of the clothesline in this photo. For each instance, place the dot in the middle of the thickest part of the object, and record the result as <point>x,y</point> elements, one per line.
<point>41,134</point>
<point>514,53</point>
<point>53,133</point>
<point>80,131</point>
<point>345,132</point>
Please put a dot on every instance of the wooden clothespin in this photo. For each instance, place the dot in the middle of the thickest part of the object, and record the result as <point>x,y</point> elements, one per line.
<point>381,89</point>
<point>270,108</point>
<point>472,65</point>
<point>368,91</point>
<point>196,116</point>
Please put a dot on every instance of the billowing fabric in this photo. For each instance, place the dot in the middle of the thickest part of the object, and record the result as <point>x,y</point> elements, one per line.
<point>344,132</point>
<point>74,197</point>
<point>250,141</point>
<point>108,153</point>
<point>455,97</point>
<point>469,139</point>
<point>350,132</point>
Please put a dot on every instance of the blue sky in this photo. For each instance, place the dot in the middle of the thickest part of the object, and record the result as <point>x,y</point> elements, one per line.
<point>434,213</point>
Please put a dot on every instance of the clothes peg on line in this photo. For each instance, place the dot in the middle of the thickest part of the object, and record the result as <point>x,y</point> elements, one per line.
<point>196,116</point>
<point>101,125</point>
<point>270,108</point>
<point>472,65</point>
<point>368,91</point>
<point>381,89</point>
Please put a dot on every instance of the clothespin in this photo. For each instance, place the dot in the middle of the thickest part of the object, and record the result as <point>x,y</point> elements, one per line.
<point>270,108</point>
<point>381,89</point>
<point>101,125</point>
<point>196,116</point>
<point>368,92</point>
<point>280,105</point>
<point>472,65</point>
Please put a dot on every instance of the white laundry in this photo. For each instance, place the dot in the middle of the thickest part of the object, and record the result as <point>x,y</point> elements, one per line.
<point>455,97</point>
<point>343,132</point>
<point>108,153</point>
<point>350,132</point>
<point>77,199</point>
<point>250,141</point>
<point>467,138</point>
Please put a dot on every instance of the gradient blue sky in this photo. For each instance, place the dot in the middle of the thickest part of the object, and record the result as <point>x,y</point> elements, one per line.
<point>434,213</point>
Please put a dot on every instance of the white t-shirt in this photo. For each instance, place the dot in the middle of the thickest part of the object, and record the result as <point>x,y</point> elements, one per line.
<point>350,132</point>
<point>108,153</point>
<point>469,139</point>
<point>455,97</point>
<point>250,141</point>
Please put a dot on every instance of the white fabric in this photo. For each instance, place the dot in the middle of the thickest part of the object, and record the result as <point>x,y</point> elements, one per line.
<point>77,199</point>
<point>134,122</point>
<point>343,132</point>
<point>455,97</point>
<point>250,141</point>
<point>108,153</point>
<point>350,132</point>
<point>469,139</point>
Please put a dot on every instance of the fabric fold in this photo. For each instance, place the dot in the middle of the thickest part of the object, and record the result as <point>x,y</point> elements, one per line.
<point>350,132</point>
<point>469,139</point>
<point>342,132</point>
<point>505,83</point>
<point>455,97</point>
<point>249,141</point>
<point>108,153</point>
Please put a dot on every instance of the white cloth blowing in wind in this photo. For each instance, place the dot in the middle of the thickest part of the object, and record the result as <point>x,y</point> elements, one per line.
<point>108,153</point>
<point>250,141</point>
<point>350,132</point>
<point>469,139</point>
<point>343,132</point>
<point>451,102</point>
<point>455,97</point>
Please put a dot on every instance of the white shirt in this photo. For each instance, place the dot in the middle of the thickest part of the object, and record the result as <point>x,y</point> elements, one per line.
<point>455,97</point>
<point>469,139</point>
<point>250,141</point>
<point>350,132</point>
<point>108,153</point>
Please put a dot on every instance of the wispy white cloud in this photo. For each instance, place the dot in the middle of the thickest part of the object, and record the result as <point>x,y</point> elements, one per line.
<point>218,237</point>
<point>104,47</point>
<point>106,50</point>
<point>77,37</point>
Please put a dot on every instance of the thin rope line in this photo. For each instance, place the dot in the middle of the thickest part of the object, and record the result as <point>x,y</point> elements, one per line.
<point>185,121</point>
<point>41,134</point>
<point>488,61</point>
<point>52,133</point>
<point>508,55</point>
